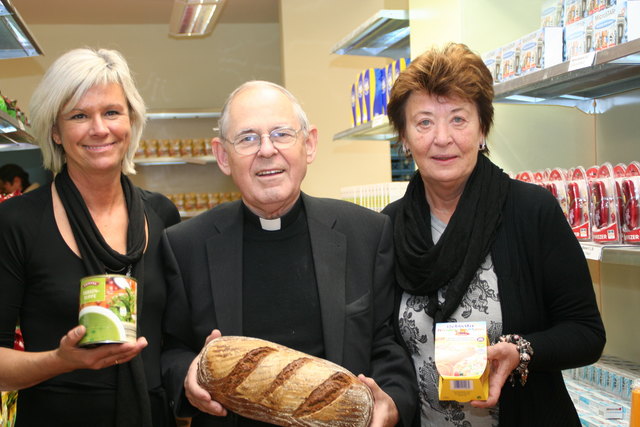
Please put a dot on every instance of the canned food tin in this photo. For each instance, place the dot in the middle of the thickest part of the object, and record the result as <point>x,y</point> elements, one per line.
<point>108,309</point>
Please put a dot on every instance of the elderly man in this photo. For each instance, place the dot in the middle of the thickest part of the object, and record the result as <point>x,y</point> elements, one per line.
<point>312,274</point>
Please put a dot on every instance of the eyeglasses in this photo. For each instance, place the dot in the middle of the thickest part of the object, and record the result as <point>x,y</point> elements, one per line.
<point>249,143</point>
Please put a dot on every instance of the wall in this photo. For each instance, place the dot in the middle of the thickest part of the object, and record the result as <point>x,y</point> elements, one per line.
<point>538,137</point>
<point>322,81</point>
<point>171,74</point>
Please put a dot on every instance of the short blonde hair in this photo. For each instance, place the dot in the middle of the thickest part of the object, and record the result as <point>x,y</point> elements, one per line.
<point>65,82</point>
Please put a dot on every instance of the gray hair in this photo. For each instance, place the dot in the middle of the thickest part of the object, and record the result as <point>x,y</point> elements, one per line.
<point>223,122</point>
<point>66,81</point>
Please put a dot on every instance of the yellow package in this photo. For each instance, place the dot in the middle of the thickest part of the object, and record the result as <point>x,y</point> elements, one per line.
<point>461,360</point>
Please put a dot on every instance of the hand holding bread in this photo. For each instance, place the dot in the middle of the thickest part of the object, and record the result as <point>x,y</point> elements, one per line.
<point>265,381</point>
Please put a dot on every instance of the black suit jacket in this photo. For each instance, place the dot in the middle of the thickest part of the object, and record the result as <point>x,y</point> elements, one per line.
<point>353,260</point>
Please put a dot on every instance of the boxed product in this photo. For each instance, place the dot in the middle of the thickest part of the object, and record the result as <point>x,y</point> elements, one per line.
<point>578,38</point>
<point>390,79</point>
<point>609,26</point>
<point>509,61</point>
<point>360,89</point>
<point>492,60</point>
<point>572,11</point>
<point>631,204</point>
<point>604,206</point>
<point>461,361</point>
<point>594,6</point>
<point>540,49</point>
<point>399,65</point>
<point>373,97</point>
<point>633,19</point>
<point>551,13</point>
<point>557,185</point>
<point>578,204</point>
<point>356,117</point>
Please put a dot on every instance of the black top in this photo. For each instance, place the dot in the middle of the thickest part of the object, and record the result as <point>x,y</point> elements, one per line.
<point>40,278</point>
<point>547,296</point>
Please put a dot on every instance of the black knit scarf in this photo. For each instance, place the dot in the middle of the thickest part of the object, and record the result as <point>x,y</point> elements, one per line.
<point>133,408</point>
<point>423,268</point>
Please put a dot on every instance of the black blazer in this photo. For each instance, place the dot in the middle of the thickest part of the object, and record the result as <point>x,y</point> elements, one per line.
<point>353,258</point>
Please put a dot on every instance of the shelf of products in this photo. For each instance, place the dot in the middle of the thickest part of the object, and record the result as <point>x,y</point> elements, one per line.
<point>613,71</point>
<point>14,135</point>
<point>385,34</point>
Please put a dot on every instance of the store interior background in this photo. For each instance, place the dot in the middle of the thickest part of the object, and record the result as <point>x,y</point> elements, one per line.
<point>289,42</point>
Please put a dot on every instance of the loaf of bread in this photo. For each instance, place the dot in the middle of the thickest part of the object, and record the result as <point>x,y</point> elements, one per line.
<point>269,382</point>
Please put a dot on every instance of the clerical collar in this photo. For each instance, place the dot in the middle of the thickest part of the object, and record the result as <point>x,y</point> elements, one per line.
<point>276,223</point>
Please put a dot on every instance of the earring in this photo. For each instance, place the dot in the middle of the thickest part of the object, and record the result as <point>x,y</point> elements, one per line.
<point>483,145</point>
<point>406,150</point>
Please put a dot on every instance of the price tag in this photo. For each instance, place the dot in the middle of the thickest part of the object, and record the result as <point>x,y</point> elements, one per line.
<point>582,61</point>
<point>592,251</point>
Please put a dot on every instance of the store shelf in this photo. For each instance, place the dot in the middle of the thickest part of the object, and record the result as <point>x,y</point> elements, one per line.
<point>158,161</point>
<point>385,34</point>
<point>612,254</point>
<point>613,71</point>
<point>14,135</point>
<point>378,129</point>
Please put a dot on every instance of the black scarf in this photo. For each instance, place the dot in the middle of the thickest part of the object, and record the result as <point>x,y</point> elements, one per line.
<point>423,268</point>
<point>133,408</point>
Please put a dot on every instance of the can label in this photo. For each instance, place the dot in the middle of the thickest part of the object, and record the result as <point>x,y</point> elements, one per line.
<point>108,309</point>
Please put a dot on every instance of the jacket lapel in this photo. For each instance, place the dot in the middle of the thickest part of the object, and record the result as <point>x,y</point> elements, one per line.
<point>329,249</point>
<point>224,253</point>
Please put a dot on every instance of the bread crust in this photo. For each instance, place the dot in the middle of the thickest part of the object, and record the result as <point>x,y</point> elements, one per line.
<point>269,382</point>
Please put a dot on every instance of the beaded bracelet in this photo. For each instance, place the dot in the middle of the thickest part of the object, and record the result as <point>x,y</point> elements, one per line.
<point>525,350</point>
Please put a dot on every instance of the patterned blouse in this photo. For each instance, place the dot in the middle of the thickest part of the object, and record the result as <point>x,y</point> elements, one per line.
<point>481,303</point>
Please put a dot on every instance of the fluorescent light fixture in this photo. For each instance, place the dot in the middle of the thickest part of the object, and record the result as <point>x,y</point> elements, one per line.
<point>15,39</point>
<point>191,18</point>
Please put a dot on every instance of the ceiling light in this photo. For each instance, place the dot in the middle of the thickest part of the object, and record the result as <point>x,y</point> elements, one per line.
<point>191,18</point>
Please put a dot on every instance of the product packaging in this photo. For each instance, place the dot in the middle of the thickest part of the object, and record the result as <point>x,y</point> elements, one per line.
<point>551,13</point>
<point>390,79</point>
<point>557,184</point>
<point>540,49</point>
<point>578,204</point>
<point>604,206</point>
<point>633,19</point>
<point>461,361</point>
<point>492,60</point>
<point>399,65</point>
<point>609,26</point>
<point>509,61</point>
<point>631,204</point>
<point>635,404</point>
<point>572,11</point>
<point>361,103</point>
<point>356,118</point>
<point>578,38</point>
<point>373,97</point>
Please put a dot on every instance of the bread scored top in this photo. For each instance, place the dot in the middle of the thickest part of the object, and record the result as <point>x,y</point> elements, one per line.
<point>269,382</point>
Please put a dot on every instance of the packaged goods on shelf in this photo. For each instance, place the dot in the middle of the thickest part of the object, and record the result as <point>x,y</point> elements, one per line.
<point>604,206</point>
<point>374,196</point>
<point>556,183</point>
<point>540,49</point>
<point>153,148</point>
<point>360,88</point>
<point>373,93</point>
<point>551,13</point>
<point>595,6</point>
<point>578,203</point>
<point>356,118</point>
<point>390,79</point>
<point>399,65</point>
<point>633,19</point>
<point>572,11</point>
<point>492,60</point>
<point>509,61</point>
<point>631,203</point>
<point>578,38</point>
<point>610,374</point>
<point>192,204</point>
<point>610,26</point>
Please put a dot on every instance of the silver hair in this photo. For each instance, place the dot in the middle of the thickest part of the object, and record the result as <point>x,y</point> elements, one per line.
<point>66,81</point>
<point>223,122</point>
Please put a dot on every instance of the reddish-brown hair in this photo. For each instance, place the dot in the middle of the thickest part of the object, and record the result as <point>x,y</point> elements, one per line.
<point>453,71</point>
